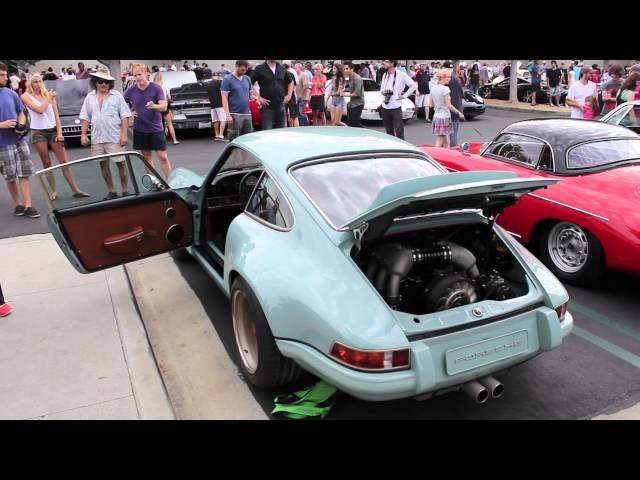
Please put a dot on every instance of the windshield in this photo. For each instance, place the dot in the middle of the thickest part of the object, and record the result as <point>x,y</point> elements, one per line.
<point>603,152</point>
<point>70,94</point>
<point>343,189</point>
<point>191,91</point>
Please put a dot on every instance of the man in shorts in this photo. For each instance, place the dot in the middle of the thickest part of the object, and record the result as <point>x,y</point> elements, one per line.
<point>149,102</point>
<point>236,93</point>
<point>107,112</point>
<point>218,117</point>
<point>554,80</point>
<point>15,158</point>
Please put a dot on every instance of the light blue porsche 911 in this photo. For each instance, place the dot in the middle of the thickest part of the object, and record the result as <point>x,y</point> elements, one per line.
<point>344,252</point>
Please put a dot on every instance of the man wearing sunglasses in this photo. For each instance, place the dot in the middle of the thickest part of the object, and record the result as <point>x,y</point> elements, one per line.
<point>108,113</point>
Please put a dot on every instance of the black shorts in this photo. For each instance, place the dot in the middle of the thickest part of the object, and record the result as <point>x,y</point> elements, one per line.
<point>317,103</point>
<point>149,141</point>
<point>536,87</point>
<point>292,107</point>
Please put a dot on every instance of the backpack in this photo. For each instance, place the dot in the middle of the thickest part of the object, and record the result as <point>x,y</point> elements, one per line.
<point>423,84</point>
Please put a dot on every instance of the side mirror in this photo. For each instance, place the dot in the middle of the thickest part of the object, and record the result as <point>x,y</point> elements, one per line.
<point>151,183</point>
<point>465,146</point>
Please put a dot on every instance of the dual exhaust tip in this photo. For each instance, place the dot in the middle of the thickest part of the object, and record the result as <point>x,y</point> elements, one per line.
<point>480,390</point>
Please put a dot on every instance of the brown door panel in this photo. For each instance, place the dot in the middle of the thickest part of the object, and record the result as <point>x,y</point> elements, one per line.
<point>111,235</point>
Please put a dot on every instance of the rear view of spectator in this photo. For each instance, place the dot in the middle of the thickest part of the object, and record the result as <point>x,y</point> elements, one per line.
<point>168,115</point>
<point>474,78</point>
<point>218,117</point>
<point>50,75</point>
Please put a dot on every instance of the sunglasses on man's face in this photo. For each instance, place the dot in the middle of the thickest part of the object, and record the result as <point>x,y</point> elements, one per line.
<point>102,81</point>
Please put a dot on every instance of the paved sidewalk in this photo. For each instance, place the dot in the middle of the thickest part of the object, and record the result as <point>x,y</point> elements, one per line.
<point>540,109</point>
<point>74,346</point>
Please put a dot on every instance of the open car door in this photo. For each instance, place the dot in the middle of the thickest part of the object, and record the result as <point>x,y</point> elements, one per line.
<point>131,212</point>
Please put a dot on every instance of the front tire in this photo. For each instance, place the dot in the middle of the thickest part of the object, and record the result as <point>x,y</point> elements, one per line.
<point>572,253</point>
<point>259,359</point>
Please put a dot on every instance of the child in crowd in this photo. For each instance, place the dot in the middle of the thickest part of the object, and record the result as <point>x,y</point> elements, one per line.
<point>590,107</point>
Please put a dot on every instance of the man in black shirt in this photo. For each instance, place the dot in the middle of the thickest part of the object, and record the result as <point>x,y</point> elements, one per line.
<point>554,75</point>
<point>276,89</point>
<point>218,117</point>
<point>50,75</point>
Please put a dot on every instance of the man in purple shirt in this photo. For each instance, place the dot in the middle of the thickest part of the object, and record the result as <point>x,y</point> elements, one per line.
<point>149,102</point>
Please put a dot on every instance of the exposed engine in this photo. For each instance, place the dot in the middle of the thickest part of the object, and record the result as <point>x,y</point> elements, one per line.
<point>424,272</point>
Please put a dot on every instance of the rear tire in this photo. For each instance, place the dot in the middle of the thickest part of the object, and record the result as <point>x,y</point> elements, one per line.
<point>572,253</point>
<point>259,359</point>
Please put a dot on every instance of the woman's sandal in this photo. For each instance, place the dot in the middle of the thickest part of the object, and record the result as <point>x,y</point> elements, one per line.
<point>81,194</point>
<point>53,197</point>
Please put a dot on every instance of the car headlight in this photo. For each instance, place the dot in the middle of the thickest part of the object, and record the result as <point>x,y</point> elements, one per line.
<point>179,116</point>
<point>479,99</point>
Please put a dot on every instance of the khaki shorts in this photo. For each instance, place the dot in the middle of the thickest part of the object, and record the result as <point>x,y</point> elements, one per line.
<point>107,148</point>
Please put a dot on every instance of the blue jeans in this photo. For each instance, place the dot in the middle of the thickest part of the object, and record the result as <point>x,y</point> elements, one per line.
<point>272,116</point>
<point>304,121</point>
<point>453,132</point>
<point>473,88</point>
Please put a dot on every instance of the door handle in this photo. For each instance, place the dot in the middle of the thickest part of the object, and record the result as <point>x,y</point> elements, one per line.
<point>125,242</point>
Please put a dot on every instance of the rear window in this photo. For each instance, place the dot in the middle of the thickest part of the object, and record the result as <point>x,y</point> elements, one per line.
<point>343,189</point>
<point>603,152</point>
<point>517,148</point>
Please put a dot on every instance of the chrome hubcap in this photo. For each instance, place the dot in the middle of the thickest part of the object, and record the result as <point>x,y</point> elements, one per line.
<point>244,330</point>
<point>568,247</point>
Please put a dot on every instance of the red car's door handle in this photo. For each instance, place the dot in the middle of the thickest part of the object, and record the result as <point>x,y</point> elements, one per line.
<point>125,242</point>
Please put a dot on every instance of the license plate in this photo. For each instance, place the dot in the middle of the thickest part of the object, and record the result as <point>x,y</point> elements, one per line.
<point>486,352</point>
<point>204,124</point>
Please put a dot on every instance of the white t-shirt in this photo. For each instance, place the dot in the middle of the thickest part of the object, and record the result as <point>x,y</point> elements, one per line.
<point>397,82</point>
<point>571,77</point>
<point>578,91</point>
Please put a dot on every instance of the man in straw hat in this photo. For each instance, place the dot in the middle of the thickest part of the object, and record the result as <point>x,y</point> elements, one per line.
<point>107,112</point>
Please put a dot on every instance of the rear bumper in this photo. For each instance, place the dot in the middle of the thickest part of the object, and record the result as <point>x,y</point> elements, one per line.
<point>428,371</point>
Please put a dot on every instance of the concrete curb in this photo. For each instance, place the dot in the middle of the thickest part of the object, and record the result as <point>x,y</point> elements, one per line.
<point>148,388</point>
<point>534,113</point>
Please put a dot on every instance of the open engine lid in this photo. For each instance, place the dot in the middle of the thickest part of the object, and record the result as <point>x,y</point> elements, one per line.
<point>490,191</point>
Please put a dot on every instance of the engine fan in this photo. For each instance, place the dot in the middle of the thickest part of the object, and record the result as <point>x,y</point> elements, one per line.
<point>450,291</point>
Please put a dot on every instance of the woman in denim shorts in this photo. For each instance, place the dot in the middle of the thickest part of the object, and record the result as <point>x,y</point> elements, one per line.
<point>46,131</point>
<point>337,103</point>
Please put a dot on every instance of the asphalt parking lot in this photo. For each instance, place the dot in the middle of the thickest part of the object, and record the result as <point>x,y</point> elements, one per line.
<point>596,370</point>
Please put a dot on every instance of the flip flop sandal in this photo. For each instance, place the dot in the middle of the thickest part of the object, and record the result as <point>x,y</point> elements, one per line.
<point>53,197</point>
<point>81,195</point>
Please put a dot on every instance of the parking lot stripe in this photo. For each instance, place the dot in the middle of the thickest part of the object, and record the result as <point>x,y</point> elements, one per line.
<point>608,346</point>
<point>598,317</point>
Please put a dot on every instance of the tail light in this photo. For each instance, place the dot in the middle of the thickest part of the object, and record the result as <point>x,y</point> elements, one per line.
<point>377,360</point>
<point>561,310</point>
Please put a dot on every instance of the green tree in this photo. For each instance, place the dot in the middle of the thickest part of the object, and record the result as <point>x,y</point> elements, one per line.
<point>19,64</point>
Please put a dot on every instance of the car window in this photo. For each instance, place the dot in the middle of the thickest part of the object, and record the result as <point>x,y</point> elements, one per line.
<point>239,159</point>
<point>632,118</point>
<point>546,159</point>
<point>603,152</point>
<point>517,148</point>
<point>343,189</point>
<point>616,118</point>
<point>98,179</point>
<point>268,203</point>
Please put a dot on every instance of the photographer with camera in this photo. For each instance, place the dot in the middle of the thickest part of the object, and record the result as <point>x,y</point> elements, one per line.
<point>15,158</point>
<point>392,87</point>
